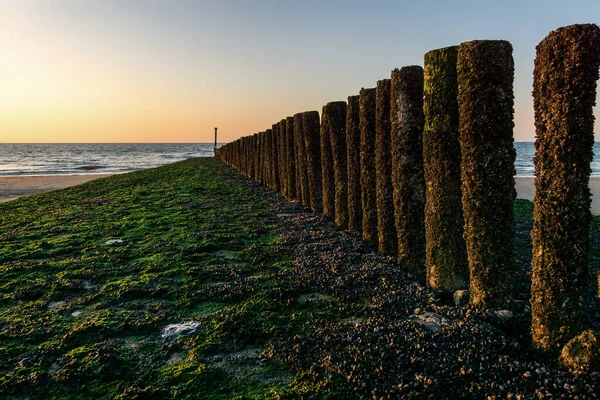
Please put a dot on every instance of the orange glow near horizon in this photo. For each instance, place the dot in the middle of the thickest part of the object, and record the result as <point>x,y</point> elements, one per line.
<point>110,72</point>
<point>53,93</point>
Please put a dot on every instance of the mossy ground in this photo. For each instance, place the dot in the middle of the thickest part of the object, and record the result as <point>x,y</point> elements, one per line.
<point>195,241</point>
<point>80,318</point>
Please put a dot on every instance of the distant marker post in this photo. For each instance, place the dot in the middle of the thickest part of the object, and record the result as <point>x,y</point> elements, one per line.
<point>216,137</point>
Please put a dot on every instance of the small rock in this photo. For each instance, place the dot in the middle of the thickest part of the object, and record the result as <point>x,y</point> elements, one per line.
<point>461,298</point>
<point>113,241</point>
<point>582,352</point>
<point>503,315</point>
<point>430,321</point>
<point>527,375</point>
<point>417,311</point>
<point>53,305</point>
<point>173,331</point>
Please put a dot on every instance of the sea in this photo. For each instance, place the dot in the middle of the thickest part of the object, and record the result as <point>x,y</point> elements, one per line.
<point>57,159</point>
<point>83,159</point>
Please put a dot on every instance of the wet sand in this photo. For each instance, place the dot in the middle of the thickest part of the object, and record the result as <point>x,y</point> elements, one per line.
<point>13,187</point>
<point>526,190</point>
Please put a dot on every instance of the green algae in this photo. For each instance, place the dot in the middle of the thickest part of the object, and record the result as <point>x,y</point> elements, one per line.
<point>91,275</point>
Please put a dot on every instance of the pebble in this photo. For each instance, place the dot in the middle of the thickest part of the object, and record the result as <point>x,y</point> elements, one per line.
<point>173,331</point>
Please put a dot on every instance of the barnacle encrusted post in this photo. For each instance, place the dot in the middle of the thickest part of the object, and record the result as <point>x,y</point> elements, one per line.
<point>327,174</point>
<point>353,163</point>
<point>564,92</point>
<point>290,157</point>
<point>253,156</point>
<point>275,157</point>
<point>407,167</point>
<point>337,133</point>
<point>261,156</point>
<point>302,192</point>
<point>281,161</point>
<point>312,141</point>
<point>386,226</point>
<point>485,108</point>
<point>446,254</point>
<point>367,103</point>
<point>268,157</point>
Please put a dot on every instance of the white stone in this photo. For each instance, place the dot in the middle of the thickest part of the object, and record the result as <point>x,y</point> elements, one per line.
<point>173,331</point>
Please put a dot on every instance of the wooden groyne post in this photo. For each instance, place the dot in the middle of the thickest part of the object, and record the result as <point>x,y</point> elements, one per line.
<point>446,254</point>
<point>564,92</point>
<point>407,167</point>
<point>485,106</point>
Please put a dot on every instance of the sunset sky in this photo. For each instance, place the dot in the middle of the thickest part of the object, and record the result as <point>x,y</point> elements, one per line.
<point>170,71</point>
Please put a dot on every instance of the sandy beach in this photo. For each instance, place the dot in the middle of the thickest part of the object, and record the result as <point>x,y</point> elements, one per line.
<point>13,187</point>
<point>526,190</point>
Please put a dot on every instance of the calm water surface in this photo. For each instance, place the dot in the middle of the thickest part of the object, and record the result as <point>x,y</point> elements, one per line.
<point>52,159</point>
<point>43,159</point>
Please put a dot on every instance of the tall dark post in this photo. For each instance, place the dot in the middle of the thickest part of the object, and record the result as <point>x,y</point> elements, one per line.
<point>485,107</point>
<point>312,133</point>
<point>275,156</point>
<point>327,171</point>
<point>407,167</point>
<point>281,160</point>
<point>353,163</point>
<point>447,265</point>
<point>386,227</point>
<point>216,137</point>
<point>564,93</point>
<point>290,158</point>
<point>302,191</point>
<point>367,164</point>
<point>336,125</point>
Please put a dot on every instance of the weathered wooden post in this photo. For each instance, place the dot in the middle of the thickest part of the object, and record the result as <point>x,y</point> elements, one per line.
<point>353,163</point>
<point>312,141</point>
<point>327,173</point>
<point>281,161</point>
<point>275,157</point>
<point>407,167</point>
<point>367,102</point>
<point>268,157</point>
<point>446,255</point>
<point>386,226</point>
<point>564,92</point>
<point>259,156</point>
<point>302,192</point>
<point>485,107</point>
<point>290,158</point>
<point>253,156</point>
<point>336,120</point>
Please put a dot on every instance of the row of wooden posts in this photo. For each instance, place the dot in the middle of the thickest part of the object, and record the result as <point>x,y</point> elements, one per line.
<point>423,166</point>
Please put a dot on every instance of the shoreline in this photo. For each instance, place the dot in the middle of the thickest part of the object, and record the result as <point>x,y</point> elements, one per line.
<point>17,186</point>
<point>526,190</point>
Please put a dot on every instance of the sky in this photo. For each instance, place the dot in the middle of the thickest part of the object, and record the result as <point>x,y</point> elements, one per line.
<point>108,71</point>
